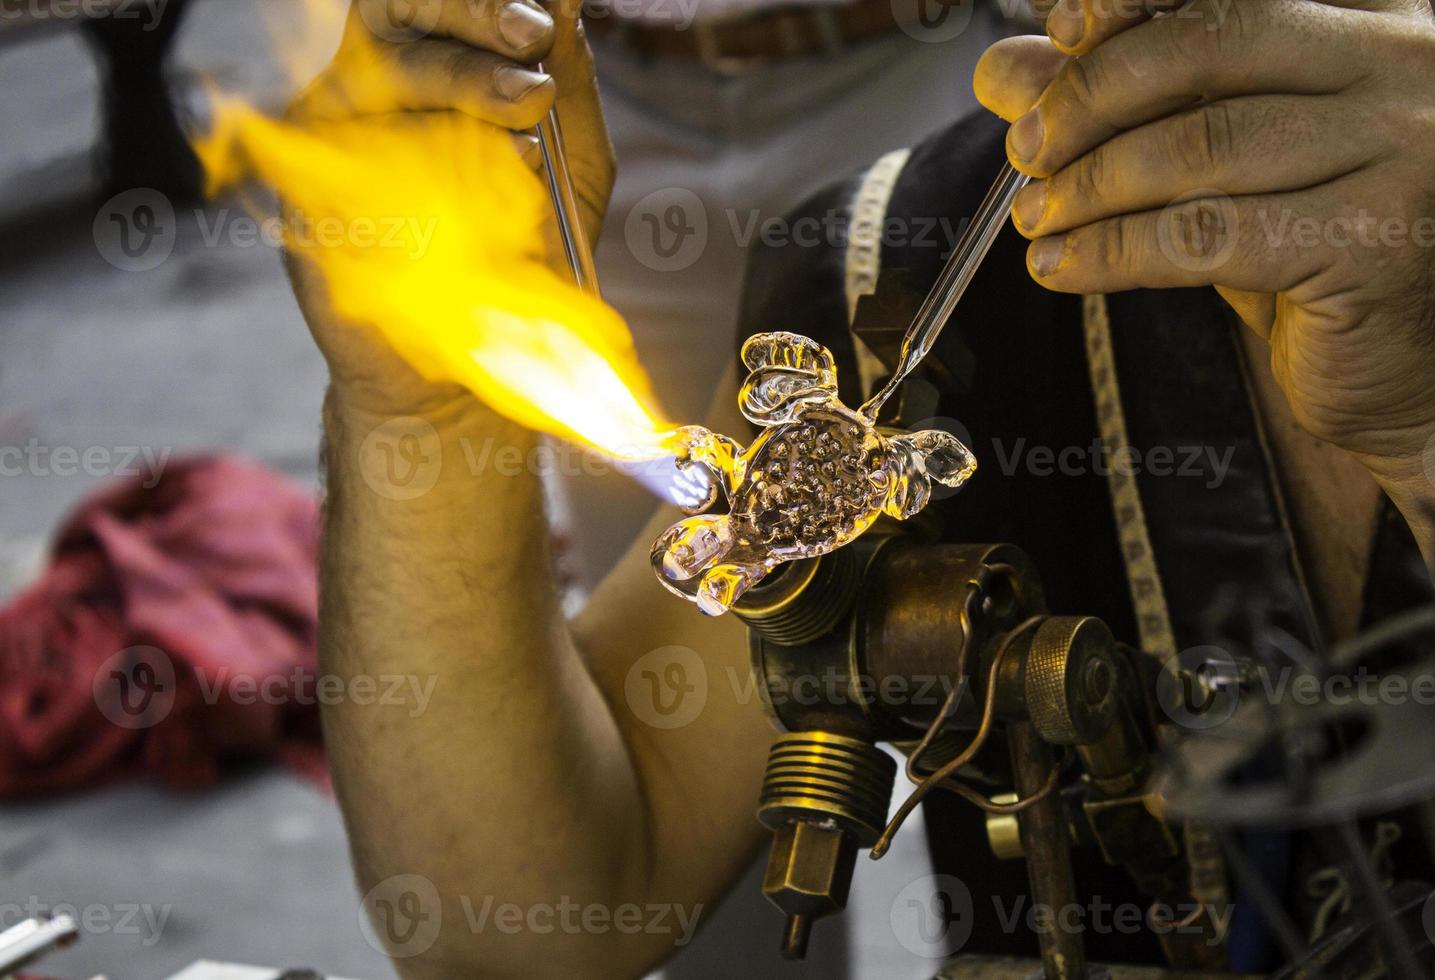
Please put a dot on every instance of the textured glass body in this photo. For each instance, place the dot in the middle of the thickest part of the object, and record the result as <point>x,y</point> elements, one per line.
<point>818,476</point>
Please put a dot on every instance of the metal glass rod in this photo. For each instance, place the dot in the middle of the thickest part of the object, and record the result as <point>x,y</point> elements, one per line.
<point>956,276</point>
<point>565,203</point>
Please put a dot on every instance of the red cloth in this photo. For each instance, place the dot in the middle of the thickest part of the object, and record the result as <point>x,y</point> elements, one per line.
<point>174,629</point>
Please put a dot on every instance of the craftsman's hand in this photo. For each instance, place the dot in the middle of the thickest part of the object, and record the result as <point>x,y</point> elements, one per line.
<point>1280,150</point>
<point>475,57</point>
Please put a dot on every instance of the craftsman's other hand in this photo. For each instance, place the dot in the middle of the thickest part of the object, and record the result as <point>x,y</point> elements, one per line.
<point>475,57</point>
<point>1276,149</point>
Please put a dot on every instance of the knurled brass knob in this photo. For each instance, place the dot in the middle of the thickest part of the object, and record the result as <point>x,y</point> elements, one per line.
<point>1070,682</point>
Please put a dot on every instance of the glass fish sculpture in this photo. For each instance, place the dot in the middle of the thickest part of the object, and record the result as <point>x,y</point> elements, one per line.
<point>816,477</point>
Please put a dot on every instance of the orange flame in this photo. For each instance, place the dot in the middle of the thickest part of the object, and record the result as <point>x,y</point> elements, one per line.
<point>432,229</point>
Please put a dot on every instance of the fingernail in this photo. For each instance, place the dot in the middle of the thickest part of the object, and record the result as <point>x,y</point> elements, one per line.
<point>523,26</point>
<point>1067,23</point>
<point>1046,255</point>
<point>515,83</point>
<point>1030,206</point>
<point>1027,134</point>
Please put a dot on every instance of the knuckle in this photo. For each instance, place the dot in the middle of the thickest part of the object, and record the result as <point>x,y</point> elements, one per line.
<point>1115,245</point>
<point>1204,140</point>
<point>1082,80</point>
<point>1231,34</point>
<point>1185,49</point>
<point>454,67</point>
<point>1214,33</point>
<point>1089,178</point>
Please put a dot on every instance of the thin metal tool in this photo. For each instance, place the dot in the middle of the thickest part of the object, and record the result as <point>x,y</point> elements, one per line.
<point>956,276</point>
<point>27,941</point>
<point>565,202</point>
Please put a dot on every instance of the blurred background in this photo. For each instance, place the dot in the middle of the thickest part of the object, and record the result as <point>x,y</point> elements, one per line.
<point>150,348</point>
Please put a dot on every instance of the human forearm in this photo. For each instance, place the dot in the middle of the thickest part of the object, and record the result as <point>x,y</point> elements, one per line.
<point>512,784</point>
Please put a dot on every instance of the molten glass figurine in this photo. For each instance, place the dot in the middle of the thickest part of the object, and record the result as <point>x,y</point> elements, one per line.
<point>818,476</point>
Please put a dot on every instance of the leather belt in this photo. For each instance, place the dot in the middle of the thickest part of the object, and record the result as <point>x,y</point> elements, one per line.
<point>739,43</point>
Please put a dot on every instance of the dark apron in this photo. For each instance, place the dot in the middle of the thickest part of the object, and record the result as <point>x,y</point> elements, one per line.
<point>1013,370</point>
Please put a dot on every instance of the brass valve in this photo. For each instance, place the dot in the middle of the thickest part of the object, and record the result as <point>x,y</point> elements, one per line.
<point>824,796</point>
<point>945,651</point>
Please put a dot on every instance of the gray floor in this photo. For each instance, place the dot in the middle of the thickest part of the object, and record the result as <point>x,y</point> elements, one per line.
<point>205,352</point>
<point>253,872</point>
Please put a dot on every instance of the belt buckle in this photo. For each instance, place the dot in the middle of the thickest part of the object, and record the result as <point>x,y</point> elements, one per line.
<point>711,56</point>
